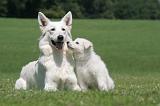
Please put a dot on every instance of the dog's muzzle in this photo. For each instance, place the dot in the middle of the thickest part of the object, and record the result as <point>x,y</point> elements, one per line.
<point>58,44</point>
<point>69,45</point>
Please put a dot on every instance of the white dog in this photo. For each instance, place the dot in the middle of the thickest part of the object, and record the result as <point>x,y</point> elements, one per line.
<point>91,70</point>
<point>55,67</point>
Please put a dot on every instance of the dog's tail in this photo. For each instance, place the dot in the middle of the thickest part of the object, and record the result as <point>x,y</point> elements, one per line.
<point>21,84</point>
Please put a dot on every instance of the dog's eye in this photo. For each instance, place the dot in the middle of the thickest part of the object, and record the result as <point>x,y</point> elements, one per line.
<point>63,29</point>
<point>53,29</point>
<point>77,42</point>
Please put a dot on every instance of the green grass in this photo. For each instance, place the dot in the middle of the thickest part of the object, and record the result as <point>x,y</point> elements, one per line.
<point>130,49</point>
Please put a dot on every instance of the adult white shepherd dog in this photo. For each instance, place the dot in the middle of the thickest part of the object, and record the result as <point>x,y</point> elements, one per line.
<point>55,67</point>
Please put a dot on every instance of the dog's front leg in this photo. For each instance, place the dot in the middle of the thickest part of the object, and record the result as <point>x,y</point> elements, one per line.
<point>50,85</point>
<point>72,83</point>
<point>48,64</point>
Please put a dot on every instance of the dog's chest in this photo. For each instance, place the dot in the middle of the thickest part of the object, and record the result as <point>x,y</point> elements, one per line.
<point>63,71</point>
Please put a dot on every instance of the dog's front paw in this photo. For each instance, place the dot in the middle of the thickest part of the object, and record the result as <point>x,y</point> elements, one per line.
<point>50,88</point>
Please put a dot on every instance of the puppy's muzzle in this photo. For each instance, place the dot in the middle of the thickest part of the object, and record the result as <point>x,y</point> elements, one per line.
<point>69,45</point>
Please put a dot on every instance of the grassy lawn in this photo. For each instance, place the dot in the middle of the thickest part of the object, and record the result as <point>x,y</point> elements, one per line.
<point>129,48</point>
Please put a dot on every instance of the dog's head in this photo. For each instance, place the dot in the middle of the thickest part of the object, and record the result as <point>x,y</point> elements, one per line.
<point>58,32</point>
<point>80,46</point>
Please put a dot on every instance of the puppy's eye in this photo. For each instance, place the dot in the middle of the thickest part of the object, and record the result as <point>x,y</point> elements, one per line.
<point>77,42</point>
<point>53,29</point>
<point>63,29</point>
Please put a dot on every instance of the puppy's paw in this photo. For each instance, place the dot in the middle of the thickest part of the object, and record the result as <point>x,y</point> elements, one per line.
<point>103,87</point>
<point>110,84</point>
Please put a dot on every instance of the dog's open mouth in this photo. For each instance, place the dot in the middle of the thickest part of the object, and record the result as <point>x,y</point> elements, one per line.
<point>58,45</point>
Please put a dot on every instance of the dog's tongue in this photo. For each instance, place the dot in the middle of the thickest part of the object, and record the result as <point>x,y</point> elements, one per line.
<point>59,45</point>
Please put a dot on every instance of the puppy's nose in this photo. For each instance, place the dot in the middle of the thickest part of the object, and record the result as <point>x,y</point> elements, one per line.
<point>67,42</point>
<point>60,38</point>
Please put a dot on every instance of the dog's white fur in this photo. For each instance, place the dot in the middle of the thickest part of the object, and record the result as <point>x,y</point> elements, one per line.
<point>91,70</point>
<point>55,67</point>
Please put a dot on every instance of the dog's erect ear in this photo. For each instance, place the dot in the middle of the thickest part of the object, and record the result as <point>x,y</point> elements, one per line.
<point>67,19</point>
<point>87,44</point>
<point>43,20</point>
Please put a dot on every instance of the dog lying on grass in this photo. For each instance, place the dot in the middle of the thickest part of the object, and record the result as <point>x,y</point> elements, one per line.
<point>90,69</point>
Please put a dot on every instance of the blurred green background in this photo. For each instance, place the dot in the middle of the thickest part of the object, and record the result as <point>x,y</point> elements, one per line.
<point>110,9</point>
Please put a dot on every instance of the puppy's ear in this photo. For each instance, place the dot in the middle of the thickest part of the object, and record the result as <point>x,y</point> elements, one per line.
<point>42,20</point>
<point>87,44</point>
<point>67,19</point>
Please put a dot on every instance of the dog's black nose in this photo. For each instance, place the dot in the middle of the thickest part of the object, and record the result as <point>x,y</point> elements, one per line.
<point>60,37</point>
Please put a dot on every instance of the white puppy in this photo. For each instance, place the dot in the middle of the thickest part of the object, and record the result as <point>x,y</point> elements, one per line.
<point>91,70</point>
